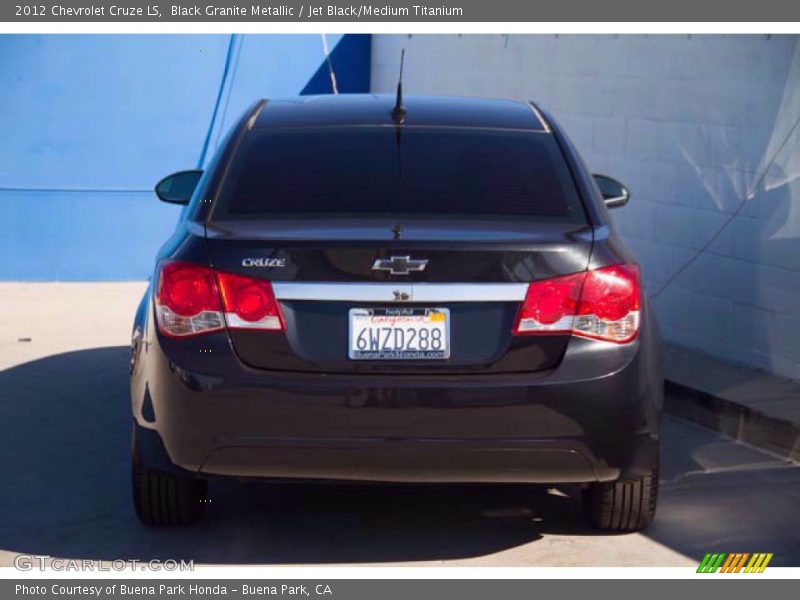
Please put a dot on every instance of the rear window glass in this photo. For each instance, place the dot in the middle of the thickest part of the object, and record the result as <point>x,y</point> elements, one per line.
<point>411,171</point>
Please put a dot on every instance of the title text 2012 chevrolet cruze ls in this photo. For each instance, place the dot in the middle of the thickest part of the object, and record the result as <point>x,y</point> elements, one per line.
<point>358,291</point>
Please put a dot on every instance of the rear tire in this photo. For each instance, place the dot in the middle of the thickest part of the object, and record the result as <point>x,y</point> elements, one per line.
<point>165,499</point>
<point>623,506</point>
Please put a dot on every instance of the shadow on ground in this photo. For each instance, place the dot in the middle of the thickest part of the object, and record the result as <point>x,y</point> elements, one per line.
<point>64,437</point>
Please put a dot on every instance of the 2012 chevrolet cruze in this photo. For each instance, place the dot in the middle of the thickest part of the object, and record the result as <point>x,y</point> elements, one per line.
<point>363,291</point>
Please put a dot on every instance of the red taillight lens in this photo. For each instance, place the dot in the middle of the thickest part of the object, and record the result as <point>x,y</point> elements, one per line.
<point>601,304</point>
<point>249,303</point>
<point>550,305</point>
<point>192,299</point>
<point>187,301</point>
<point>611,293</point>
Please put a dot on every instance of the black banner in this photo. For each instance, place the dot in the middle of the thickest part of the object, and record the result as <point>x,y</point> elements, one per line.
<point>400,11</point>
<point>731,588</point>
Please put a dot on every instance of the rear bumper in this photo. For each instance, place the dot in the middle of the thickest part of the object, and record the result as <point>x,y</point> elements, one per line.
<point>386,460</point>
<point>594,418</point>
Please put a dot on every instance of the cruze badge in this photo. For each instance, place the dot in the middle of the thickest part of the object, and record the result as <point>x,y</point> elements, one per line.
<point>268,263</point>
<point>399,265</point>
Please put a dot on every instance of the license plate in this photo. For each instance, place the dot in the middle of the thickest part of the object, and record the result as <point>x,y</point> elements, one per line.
<point>399,333</point>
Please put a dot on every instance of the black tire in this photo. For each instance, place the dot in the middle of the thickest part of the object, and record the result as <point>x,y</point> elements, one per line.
<point>165,499</point>
<point>624,505</point>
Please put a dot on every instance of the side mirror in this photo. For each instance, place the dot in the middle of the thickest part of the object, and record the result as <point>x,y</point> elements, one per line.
<point>178,187</point>
<point>614,193</point>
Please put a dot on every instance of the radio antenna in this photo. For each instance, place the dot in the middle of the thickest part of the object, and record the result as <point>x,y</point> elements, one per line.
<point>399,111</point>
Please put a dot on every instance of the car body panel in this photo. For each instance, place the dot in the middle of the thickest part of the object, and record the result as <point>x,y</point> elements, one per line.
<point>597,415</point>
<point>291,405</point>
<point>319,254</point>
<point>421,111</point>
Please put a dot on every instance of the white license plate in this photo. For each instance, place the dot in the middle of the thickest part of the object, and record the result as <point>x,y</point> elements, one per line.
<point>399,333</point>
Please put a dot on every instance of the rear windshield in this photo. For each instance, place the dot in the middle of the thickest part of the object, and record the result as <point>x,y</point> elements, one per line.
<point>410,171</point>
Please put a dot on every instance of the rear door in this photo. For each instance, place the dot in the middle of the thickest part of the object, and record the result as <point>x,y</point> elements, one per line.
<point>376,237</point>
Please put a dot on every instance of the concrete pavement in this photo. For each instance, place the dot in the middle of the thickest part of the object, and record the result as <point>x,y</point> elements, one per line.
<point>64,435</point>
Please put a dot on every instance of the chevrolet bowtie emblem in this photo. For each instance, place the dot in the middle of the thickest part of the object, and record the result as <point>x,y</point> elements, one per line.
<point>399,265</point>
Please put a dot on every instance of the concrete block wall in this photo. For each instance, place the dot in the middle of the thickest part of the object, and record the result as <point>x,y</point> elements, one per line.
<point>704,131</point>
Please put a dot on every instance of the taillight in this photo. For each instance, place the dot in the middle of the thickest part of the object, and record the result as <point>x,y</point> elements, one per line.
<point>602,304</point>
<point>187,300</point>
<point>192,299</point>
<point>249,303</point>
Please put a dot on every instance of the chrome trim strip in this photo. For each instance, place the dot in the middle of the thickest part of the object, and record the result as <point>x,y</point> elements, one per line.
<point>400,292</point>
<point>469,292</point>
<point>542,120</point>
<point>339,292</point>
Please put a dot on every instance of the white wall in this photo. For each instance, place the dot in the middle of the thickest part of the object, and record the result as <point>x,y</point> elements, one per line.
<point>697,126</point>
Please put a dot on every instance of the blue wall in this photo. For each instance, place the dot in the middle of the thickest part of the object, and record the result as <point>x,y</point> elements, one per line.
<point>90,123</point>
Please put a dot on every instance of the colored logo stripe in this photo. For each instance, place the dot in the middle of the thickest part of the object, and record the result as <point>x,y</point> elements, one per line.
<point>758,563</point>
<point>733,563</point>
<point>727,564</point>
<point>711,562</point>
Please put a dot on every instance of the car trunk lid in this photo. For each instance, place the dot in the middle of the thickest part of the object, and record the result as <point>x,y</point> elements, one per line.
<point>323,269</point>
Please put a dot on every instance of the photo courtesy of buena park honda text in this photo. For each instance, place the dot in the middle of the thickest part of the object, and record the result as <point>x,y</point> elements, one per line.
<point>399,300</point>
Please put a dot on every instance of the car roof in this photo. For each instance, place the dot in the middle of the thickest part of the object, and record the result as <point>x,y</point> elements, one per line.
<point>376,109</point>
